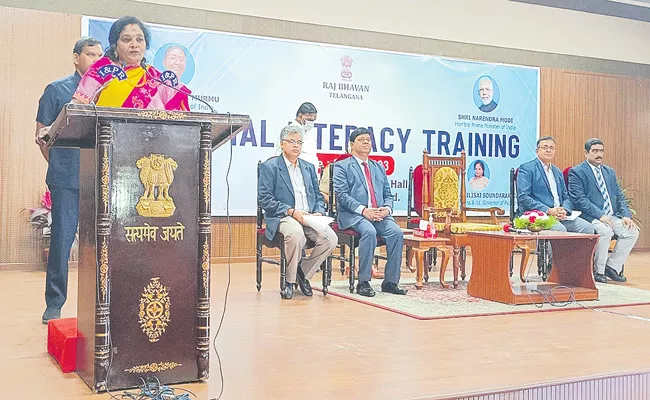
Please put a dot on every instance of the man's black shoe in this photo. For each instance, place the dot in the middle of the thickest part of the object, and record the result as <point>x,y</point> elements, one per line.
<point>364,289</point>
<point>287,293</point>
<point>600,278</point>
<point>613,275</point>
<point>390,287</point>
<point>303,283</point>
<point>51,313</point>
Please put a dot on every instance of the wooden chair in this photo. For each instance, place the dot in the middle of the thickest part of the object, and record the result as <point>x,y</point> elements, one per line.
<point>544,261</point>
<point>443,197</point>
<point>278,243</point>
<point>415,206</point>
<point>348,237</point>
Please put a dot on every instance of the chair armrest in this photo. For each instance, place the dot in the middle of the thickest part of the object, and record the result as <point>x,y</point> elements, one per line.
<point>492,210</point>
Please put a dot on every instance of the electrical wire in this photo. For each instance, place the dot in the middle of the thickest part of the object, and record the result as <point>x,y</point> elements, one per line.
<point>225,298</point>
<point>552,300</point>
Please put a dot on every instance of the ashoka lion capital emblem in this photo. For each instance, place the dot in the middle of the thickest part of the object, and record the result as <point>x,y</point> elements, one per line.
<point>156,174</point>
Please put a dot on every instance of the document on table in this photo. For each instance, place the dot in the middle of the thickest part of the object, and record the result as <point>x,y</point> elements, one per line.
<point>573,216</point>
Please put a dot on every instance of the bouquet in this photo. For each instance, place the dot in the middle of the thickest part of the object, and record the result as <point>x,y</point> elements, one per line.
<point>534,221</point>
<point>41,217</point>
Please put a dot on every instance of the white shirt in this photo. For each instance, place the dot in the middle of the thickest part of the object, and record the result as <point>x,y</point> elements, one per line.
<point>595,169</point>
<point>298,183</point>
<point>359,209</point>
<point>309,148</point>
<point>552,183</point>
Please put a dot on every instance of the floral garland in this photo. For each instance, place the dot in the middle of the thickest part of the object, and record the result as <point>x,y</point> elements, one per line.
<point>534,220</point>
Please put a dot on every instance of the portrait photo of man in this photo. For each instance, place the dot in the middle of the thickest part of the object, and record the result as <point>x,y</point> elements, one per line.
<point>486,94</point>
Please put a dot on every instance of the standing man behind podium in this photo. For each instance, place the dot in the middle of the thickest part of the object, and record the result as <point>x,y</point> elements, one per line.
<point>594,191</point>
<point>62,177</point>
<point>365,204</point>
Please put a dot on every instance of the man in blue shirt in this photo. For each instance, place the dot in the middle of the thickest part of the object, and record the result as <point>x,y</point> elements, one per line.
<point>62,177</point>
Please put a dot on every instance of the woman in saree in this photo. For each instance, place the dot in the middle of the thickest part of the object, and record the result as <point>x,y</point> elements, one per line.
<point>119,78</point>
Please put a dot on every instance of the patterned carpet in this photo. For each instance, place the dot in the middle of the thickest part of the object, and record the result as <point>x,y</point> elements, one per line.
<point>434,302</point>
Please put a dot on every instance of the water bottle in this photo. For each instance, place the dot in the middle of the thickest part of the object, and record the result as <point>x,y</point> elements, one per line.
<point>432,227</point>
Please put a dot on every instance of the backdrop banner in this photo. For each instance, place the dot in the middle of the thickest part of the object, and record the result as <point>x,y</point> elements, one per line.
<point>410,103</point>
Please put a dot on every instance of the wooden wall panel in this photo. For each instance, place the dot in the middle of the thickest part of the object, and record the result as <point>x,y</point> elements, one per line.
<point>37,49</point>
<point>576,106</point>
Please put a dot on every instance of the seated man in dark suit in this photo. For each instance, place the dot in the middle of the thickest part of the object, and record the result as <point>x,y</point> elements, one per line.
<point>364,204</point>
<point>594,191</point>
<point>288,192</point>
<point>540,186</point>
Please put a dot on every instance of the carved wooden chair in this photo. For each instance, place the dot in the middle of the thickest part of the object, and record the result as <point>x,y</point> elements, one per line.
<point>278,243</point>
<point>443,197</point>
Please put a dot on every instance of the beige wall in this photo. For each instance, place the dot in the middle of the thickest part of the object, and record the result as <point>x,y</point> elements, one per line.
<point>499,23</point>
<point>37,49</point>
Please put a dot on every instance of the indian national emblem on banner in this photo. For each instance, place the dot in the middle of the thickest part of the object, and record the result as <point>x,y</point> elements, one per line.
<point>346,62</point>
<point>157,175</point>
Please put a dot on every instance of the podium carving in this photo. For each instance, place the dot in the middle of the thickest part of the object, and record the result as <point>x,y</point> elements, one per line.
<point>144,235</point>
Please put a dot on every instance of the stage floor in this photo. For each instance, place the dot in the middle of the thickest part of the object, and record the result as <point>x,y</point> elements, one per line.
<point>334,348</point>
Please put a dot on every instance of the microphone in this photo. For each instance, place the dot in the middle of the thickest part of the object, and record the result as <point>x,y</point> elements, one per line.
<point>507,228</point>
<point>94,98</point>
<point>144,66</point>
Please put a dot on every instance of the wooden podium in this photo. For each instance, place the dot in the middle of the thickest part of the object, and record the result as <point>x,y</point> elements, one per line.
<point>144,240</point>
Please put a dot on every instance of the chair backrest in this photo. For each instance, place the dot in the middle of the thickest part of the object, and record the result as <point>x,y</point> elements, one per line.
<point>260,216</point>
<point>415,191</point>
<point>331,209</point>
<point>443,184</point>
<point>566,176</point>
<point>513,193</point>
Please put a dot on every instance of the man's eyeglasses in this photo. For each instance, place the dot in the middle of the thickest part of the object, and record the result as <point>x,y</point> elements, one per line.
<point>547,148</point>
<point>362,140</point>
<point>294,142</point>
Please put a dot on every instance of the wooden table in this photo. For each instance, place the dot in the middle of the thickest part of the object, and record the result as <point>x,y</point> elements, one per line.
<point>419,246</point>
<point>572,267</point>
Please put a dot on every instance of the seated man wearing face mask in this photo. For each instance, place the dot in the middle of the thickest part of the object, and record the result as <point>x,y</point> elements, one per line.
<point>305,117</point>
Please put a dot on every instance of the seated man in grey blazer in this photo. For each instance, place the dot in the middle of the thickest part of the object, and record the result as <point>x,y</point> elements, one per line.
<point>364,204</point>
<point>594,191</point>
<point>288,191</point>
<point>540,186</point>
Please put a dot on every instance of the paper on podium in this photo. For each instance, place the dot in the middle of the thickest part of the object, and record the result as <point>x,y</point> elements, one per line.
<point>573,216</point>
<point>318,222</point>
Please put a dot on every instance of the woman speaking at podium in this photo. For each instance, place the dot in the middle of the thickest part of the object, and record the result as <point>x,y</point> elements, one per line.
<point>122,79</point>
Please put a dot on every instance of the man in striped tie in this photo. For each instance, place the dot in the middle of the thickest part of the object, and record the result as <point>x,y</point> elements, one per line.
<point>594,190</point>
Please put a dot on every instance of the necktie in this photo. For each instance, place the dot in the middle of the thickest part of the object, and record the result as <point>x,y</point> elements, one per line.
<point>373,199</point>
<point>607,207</point>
